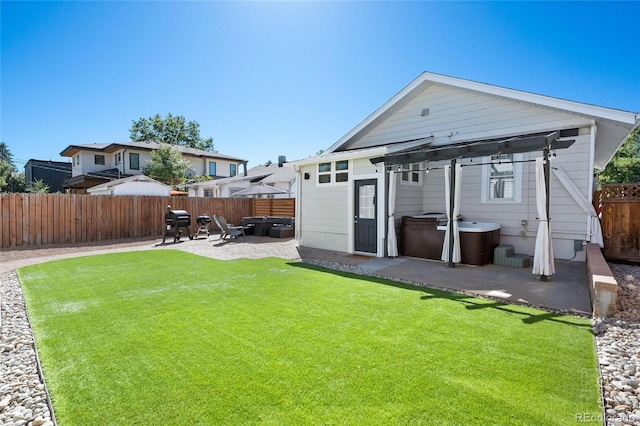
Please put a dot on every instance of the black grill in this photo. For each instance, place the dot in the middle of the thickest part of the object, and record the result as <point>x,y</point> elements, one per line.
<point>175,221</point>
<point>203,222</point>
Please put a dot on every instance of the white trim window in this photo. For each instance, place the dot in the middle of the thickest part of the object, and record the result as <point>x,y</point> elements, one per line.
<point>333,173</point>
<point>502,179</point>
<point>410,174</point>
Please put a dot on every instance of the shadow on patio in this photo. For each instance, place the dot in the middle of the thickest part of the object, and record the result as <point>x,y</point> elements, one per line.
<point>567,290</point>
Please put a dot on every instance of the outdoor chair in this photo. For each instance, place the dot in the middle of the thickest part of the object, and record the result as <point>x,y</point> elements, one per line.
<point>227,230</point>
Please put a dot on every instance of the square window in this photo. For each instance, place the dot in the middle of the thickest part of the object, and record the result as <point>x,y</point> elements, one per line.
<point>342,177</point>
<point>99,159</point>
<point>324,167</point>
<point>326,178</point>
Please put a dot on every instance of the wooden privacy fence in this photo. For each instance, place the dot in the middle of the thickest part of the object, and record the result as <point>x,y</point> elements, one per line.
<point>42,219</point>
<point>283,207</point>
<point>620,221</point>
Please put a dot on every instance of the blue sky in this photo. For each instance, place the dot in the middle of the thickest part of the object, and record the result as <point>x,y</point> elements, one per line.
<point>288,78</point>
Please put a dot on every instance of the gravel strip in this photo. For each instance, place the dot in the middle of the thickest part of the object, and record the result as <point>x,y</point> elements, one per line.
<point>618,345</point>
<point>24,399</point>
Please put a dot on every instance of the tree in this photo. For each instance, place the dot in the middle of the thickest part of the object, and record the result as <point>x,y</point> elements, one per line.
<point>173,130</point>
<point>5,154</point>
<point>5,176</point>
<point>8,172</point>
<point>38,187</point>
<point>167,165</point>
<point>624,167</point>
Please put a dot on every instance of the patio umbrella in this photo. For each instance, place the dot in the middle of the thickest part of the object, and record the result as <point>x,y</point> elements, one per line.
<point>451,253</point>
<point>543,264</point>
<point>392,240</point>
<point>261,189</point>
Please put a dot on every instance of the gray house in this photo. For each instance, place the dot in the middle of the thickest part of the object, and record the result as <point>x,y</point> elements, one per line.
<point>394,165</point>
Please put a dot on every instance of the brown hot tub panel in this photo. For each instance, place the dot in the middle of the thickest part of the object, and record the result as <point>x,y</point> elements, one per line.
<point>422,238</point>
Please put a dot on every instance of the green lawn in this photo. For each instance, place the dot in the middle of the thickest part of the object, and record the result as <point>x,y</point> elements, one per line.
<point>165,337</point>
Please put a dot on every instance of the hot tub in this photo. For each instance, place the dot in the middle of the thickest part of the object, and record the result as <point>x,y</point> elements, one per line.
<point>477,241</point>
<point>419,236</point>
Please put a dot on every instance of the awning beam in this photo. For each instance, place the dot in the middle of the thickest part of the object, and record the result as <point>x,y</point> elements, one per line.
<point>477,149</point>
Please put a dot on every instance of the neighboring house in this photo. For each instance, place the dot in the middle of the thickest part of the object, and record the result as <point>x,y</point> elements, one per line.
<point>279,175</point>
<point>93,164</point>
<point>133,185</point>
<point>343,194</point>
<point>52,173</point>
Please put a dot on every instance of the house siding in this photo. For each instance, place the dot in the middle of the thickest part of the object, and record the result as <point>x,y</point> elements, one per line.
<point>323,216</point>
<point>457,115</point>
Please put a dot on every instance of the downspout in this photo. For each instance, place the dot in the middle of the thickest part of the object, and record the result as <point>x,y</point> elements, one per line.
<point>298,204</point>
<point>592,154</point>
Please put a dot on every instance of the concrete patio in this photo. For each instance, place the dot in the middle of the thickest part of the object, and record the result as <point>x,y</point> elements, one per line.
<point>567,290</point>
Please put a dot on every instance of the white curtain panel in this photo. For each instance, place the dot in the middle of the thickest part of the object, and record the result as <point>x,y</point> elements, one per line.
<point>452,215</point>
<point>585,205</point>
<point>543,263</point>
<point>457,256</point>
<point>392,239</point>
<point>447,205</point>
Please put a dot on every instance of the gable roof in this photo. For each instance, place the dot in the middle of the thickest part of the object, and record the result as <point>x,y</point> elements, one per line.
<point>71,150</point>
<point>136,178</point>
<point>617,124</point>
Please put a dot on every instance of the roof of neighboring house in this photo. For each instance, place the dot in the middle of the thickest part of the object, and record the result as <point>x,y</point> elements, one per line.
<point>64,164</point>
<point>255,174</point>
<point>281,174</point>
<point>71,150</point>
<point>615,122</point>
<point>136,178</point>
<point>114,173</point>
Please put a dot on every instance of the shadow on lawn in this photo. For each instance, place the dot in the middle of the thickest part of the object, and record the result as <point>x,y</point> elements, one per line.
<point>471,302</point>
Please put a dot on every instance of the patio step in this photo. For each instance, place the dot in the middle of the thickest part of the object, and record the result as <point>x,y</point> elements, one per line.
<point>505,255</point>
